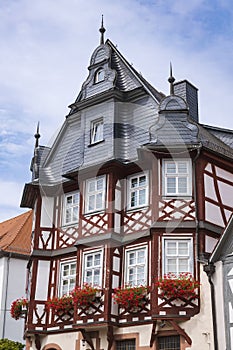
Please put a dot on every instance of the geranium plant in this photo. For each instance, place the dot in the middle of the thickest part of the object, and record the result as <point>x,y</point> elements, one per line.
<point>18,308</point>
<point>62,304</point>
<point>130,296</point>
<point>85,295</point>
<point>182,286</point>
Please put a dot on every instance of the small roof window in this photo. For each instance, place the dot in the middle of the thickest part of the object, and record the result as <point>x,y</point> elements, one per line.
<point>99,75</point>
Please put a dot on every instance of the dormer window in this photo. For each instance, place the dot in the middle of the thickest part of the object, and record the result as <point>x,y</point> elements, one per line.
<point>99,76</point>
<point>97,131</point>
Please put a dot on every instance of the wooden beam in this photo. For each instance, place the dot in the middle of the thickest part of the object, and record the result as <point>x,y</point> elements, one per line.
<point>181,331</point>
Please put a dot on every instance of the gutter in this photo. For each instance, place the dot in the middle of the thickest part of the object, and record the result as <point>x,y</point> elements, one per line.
<point>209,270</point>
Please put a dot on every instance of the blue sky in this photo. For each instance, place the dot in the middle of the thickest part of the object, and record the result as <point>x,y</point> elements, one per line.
<point>45,51</point>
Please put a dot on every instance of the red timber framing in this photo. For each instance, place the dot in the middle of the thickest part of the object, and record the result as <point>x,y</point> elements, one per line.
<point>158,219</point>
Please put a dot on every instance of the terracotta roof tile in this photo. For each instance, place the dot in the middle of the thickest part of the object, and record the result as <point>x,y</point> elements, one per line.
<point>15,234</point>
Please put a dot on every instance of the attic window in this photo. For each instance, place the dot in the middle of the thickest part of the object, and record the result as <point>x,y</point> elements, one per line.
<point>97,131</point>
<point>99,76</point>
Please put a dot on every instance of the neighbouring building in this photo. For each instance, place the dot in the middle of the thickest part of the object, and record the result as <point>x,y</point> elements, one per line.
<point>134,188</point>
<point>15,248</point>
<point>220,272</point>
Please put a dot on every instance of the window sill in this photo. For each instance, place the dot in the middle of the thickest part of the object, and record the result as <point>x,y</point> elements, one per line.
<point>65,226</point>
<point>95,143</point>
<point>188,196</point>
<point>95,212</point>
<point>130,210</point>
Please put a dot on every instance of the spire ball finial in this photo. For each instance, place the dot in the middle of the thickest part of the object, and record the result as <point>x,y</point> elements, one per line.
<point>171,80</point>
<point>102,31</point>
<point>37,135</point>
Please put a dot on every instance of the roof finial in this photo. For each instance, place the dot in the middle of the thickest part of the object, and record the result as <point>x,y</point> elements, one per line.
<point>171,80</point>
<point>37,135</point>
<point>102,31</point>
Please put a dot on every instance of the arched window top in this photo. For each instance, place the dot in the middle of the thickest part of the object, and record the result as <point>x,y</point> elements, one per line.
<point>99,75</point>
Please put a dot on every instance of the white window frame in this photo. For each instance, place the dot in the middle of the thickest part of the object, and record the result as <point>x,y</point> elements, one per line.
<point>177,175</point>
<point>137,189</point>
<point>99,75</point>
<point>177,257</point>
<point>97,131</point>
<point>67,278</point>
<point>92,268</point>
<point>95,193</point>
<point>71,207</point>
<point>136,266</point>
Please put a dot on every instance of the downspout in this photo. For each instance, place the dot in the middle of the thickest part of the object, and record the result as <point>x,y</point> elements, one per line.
<point>196,203</point>
<point>209,270</point>
<point>6,292</point>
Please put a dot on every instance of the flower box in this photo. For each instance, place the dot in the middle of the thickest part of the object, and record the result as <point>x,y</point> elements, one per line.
<point>86,295</point>
<point>132,298</point>
<point>61,305</point>
<point>19,308</point>
<point>183,286</point>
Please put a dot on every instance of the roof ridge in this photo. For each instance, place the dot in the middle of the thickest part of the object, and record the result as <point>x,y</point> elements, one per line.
<point>148,87</point>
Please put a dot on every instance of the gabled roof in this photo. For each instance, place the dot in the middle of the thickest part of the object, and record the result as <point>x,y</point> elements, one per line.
<point>15,234</point>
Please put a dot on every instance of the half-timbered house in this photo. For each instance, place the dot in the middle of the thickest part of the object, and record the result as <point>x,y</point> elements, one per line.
<point>134,188</point>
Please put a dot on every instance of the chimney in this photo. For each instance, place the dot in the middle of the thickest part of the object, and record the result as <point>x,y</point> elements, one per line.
<point>188,92</point>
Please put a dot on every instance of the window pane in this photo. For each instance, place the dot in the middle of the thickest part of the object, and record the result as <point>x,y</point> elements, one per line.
<point>132,257</point>
<point>182,185</point>
<point>183,248</point>
<point>134,183</point>
<point>142,180</point>
<point>171,266</point>
<point>99,200</point>
<point>68,215</point>
<point>89,260</point>
<point>91,204</point>
<point>133,199</point>
<point>171,248</point>
<point>75,214</point>
<point>76,198</point>
<point>171,185</point>
<point>100,184</point>
<point>171,168</point>
<point>141,256</point>
<point>97,260</point>
<point>91,186</point>
<point>73,269</point>
<point>69,199</point>
<point>65,271</point>
<point>142,197</point>
<point>183,265</point>
<point>182,167</point>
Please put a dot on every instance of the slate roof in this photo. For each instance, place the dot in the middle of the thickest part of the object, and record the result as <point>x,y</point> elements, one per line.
<point>126,74</point>
<point>15,234</point>
<point>225,135</point>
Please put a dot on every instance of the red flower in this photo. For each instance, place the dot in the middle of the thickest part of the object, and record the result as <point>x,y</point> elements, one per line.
<point>183,286</point>
<point>128,296</point>
<point>17,307</point>
<point>84,295</point>
<point>60,304</point>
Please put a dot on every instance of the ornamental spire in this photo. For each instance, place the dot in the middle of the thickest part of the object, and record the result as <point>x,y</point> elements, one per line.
<point>37,135</point>
<point>102,31</point>
<point>171,80</point>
